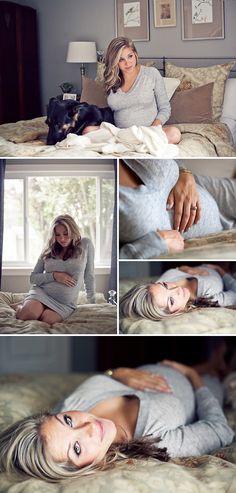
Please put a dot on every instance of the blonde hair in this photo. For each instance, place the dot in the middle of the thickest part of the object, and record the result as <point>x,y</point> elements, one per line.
<point>53,248</point>
<point>113,77</point>
<point>23,452</point>
<point>139,302</point>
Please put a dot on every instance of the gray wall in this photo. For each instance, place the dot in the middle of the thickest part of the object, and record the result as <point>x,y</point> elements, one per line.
<point>61,21</point>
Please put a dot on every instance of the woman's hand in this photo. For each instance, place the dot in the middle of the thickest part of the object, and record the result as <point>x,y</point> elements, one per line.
<point>141,379</point>
<point>199,271</point>
<point>156,122</point>
<point>187,371</point>
<point>218,269</point>
<point>183,197</point>
<point>173,239</point>
<point>64,278</point>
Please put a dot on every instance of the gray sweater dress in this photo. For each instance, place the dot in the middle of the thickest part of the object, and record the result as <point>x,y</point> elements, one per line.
<point>188,421</point>
<point>143,103</point>
<point>220,289</point>
<point>57,296</point>
<point>142,210</point>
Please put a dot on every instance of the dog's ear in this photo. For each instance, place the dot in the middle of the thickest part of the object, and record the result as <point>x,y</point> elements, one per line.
<point>50,107</point>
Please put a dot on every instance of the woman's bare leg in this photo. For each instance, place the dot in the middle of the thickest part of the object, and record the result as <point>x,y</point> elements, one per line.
<point>50,317</point>
<point>90,128</point>
<point>30,310</point>
<point>173,134</point>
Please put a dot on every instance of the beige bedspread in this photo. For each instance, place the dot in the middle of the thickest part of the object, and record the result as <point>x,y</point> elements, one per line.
<point>27,138</point>
<point>199,321</point>
<point>23,395</point>
<point>99,318</point>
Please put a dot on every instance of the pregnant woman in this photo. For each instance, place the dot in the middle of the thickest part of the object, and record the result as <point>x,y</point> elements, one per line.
<point>147,219</point>
<point>180,290</point>
<point>161,411</point>
<point>64,266</point>
<point>135,93</point>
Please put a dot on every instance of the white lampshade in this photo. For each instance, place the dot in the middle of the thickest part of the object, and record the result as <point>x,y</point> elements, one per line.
<point>82,52</point>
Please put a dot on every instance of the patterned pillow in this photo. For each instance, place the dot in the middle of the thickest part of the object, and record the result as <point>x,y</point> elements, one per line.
<point>204,75</point>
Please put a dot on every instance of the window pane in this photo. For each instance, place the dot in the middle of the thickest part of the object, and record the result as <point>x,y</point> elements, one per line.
<point>13,243</point>
<point>107,206</point>
<point>51,196</point>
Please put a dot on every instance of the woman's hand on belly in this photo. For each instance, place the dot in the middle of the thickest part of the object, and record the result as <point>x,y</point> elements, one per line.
<point>187,371</point>
<point>194,271</point>
<point>141,379</point>
<point>64,278</point>
<point>173,239</point>
<point>184,198</point>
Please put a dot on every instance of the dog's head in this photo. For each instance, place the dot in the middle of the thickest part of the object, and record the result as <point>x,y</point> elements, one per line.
<point>62,118</point>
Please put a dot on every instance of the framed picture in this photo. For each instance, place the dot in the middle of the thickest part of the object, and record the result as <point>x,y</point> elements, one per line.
<point>202,19</point>
<point>132,19</point>
<point>164,13</point>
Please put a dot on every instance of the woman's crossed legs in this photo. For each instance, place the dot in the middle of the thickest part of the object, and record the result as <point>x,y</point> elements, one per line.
<point>35,310</point>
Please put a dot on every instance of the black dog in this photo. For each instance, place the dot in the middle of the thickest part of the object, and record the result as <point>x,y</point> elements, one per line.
<point>69,116</point>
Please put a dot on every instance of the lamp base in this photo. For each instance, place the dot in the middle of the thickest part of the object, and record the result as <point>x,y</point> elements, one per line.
<point>82,74</point>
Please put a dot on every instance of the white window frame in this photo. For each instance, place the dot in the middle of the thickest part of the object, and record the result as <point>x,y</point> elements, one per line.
<point>100,170</point>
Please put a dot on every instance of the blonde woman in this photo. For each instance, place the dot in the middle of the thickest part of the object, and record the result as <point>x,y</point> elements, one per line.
<point>180,290</point>
<point>136,93</point>
<point>160,411</point>
<point>64,265</point>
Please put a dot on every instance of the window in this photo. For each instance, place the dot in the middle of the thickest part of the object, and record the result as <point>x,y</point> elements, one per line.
<point>33,198</point>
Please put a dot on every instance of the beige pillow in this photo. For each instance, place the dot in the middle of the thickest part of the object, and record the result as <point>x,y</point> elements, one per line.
<point>171,86</point>
<point>93,92</point>
<point>203,75</point>
<point>192,105</point>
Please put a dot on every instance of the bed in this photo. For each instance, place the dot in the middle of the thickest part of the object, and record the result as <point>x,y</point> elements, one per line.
<point>206,133</point>
<point>200,321</point>
<point>21,395</point>
<point>98,318</point>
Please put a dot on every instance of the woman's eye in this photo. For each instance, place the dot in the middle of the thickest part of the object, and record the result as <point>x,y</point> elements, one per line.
<point>68,420</point>
<point>77,448</point>
<point>172,301</point>
<point>165,285</point>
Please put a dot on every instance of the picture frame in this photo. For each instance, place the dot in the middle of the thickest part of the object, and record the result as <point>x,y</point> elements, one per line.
<point>132,19</point>
<point>202,20</point>
<point>164,13</point>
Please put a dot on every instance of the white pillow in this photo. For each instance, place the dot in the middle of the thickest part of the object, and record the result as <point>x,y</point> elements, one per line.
<point>171,85</point>
<point>229,107</point>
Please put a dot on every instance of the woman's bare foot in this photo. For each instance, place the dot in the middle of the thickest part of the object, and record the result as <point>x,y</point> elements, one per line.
<point>15,306</point>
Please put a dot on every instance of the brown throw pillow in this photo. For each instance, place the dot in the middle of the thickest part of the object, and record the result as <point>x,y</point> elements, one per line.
<point>204,75</point>
<point>93,92</point>
<point>192,105</point>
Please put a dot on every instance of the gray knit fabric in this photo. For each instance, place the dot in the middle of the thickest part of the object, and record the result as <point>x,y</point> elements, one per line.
<point>143,209</point>
<point>57,296</point>
<point>189,422</point>
<point>143,103</point>
<point>220,289</point>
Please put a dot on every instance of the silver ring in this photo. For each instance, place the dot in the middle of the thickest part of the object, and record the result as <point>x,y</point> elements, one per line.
<point>193,208</point>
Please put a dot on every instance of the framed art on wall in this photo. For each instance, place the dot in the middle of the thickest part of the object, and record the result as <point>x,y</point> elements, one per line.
<point>164,13</point>
<point>202,19</point>
<point>132,19</point>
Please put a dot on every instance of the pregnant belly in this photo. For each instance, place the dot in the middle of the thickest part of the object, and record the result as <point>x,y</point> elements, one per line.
<point>60,292</point>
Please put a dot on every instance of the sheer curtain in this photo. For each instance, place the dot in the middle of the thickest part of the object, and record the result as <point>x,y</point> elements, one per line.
<point>113,273</point>
<point>2,174</point>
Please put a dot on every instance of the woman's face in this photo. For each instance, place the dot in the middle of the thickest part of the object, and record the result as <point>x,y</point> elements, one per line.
<point>169,296</point>
<point>62,236</point>
<point>128,61</point>
<point>78,437</point>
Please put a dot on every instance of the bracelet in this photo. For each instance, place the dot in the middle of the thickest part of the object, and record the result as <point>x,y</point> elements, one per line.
<point>182,169</point>
<point>109,372</point>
